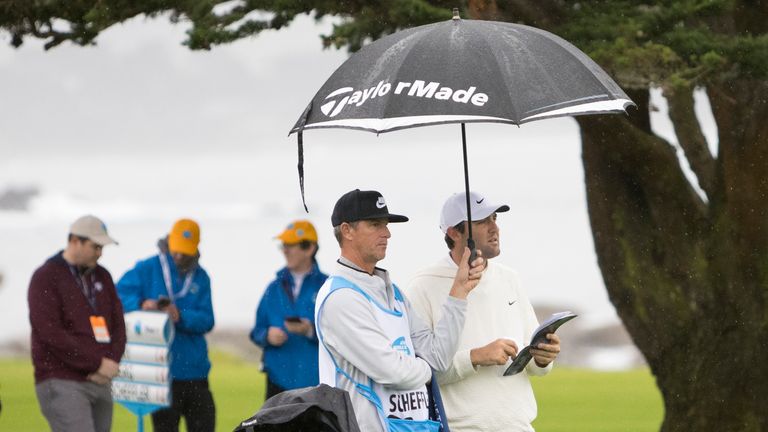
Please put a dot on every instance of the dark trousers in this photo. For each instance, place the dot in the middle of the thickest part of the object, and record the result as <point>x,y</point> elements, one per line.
<point>191,399</point>
<point>272,388</point>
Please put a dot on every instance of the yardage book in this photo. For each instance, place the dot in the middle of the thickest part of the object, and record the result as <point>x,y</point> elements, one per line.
<point>540,335</point>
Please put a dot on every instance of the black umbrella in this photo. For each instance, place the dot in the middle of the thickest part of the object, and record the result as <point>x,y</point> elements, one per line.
<point>460,71</point>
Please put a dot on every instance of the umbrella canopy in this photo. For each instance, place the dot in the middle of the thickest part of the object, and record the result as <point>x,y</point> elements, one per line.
<point>462,71</point>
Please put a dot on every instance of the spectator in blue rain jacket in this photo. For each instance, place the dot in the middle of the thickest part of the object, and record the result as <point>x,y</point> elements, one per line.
<point>173,281</point>
<point>285,326</point>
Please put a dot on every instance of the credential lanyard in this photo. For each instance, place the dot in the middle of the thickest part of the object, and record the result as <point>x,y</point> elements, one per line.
<point>169,283</point>
<point>88,291</point>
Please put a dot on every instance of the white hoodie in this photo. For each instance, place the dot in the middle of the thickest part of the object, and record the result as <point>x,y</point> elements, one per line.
<point>482,399</point>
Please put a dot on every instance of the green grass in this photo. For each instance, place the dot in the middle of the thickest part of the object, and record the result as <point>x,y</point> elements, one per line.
<point>583,400</point>
<point>569,399</point>
<point>237,386</point>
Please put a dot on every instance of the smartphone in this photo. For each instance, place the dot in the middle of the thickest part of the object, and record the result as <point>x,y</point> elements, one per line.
<point>293,319</point>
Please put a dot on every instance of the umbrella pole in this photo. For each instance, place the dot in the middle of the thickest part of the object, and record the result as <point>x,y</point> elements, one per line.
<point>470,240</point>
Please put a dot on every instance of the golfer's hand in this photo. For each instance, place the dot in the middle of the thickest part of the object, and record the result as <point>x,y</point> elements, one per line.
<point>467,277</point>
<point>276,336</point>
<point>495,353</point>
<point>303,328</point>
<point>544,354</point>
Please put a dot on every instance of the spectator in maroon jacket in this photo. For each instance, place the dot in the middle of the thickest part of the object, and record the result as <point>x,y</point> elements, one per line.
<point>78,332</point>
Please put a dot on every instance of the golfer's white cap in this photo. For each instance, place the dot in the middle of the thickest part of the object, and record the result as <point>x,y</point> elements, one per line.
<point>455,209</point>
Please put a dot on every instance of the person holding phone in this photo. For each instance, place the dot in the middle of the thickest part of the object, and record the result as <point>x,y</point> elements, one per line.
<point>174,282</point>
<point>284,326</point>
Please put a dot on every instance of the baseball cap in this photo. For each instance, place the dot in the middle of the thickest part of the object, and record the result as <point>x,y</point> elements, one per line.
<point>93,229</point>
<point>455,209</point>
<point>359,205</point>
<point>298,231</point>
<point>184,237</point>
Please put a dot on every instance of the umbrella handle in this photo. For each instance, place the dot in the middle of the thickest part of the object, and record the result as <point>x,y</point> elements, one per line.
<point>472,251</point>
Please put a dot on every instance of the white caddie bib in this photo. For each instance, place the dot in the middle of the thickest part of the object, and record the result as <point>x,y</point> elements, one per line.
<point>390,404</point>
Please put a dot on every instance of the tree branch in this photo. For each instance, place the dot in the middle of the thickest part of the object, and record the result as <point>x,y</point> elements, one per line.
<point>56,37</point>
<point>544,14</point>
<point>751,16</point>
<point>690,136</point>
<point>741,204</point>
<point>483,9</point>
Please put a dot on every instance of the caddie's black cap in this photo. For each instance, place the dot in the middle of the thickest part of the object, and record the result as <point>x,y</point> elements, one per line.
<point>360,205</point>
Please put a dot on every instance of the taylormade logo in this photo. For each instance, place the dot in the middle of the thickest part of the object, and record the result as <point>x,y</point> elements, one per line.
<point>417,88</point>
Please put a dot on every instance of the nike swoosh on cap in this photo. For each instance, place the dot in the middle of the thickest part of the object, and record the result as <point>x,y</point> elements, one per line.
<point>480,201</point>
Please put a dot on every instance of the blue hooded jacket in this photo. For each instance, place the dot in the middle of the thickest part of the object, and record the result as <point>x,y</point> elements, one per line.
<point>294,364</point>
<point>189,351</point>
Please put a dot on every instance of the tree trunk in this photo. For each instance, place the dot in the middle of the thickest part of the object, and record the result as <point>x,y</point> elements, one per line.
<point>689,277</point>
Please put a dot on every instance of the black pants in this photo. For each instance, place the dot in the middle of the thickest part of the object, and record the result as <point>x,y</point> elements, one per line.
<point>194,401</point>
<point>272,388</point>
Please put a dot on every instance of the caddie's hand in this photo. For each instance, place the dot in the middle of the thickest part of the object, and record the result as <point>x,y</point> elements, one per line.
<point>495,353</point>
<point>545,353</point>
<point>108,368</point>
<point>303,328</point>
<point>468,276</point>
<point>172,312</point>
<point>98,379</point>
<point>276,336</point>
<point>149,304</point>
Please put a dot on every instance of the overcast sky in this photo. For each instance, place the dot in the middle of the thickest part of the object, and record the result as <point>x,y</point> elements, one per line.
<point>139,89</point>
